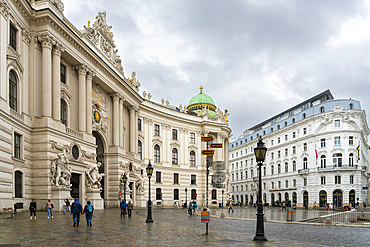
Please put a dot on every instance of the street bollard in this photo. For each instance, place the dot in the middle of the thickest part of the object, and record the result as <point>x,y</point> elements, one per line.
<point>289,215</point>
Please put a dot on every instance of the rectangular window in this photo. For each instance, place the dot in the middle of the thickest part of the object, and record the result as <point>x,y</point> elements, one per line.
<point>176,194</point>
<point>139,124</point>
<point>63,73</point>
<point>193,179</point>
<point>304,131</point>
<point>272,155</point>
<point>156,129</point>
<point>246,151</point>
<point>286,184</point>
<point>350,140</point>
<point>351,179</point>
<point>158,177</point>
<point>286,137</point>
<point>304,146</point>
<point>264,186</point>
<point>246,187</point>
<point>272,185</point>
<point>17,146</point>
<point>293,134</point>
<point>174,134</point>
<point>337,180</point>
<point>323,143</point>
<point>13,37</point>
<point>158,194</point>
<point>336,123</point>
<point>305,182</point>
<point>337,141</point>
<point>272,142</point>
<point>279,184</point>
<point>286,152</point>
<point>278,154</point>
<point>176,178</point>
<point>294,183</point>
<point>278,139</point>
<point>293,149</point>
<point>252,161</point>
<point>323,180</point>
<point>192,137</point>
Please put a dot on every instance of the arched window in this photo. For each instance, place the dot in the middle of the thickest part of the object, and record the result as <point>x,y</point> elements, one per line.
<point>251,137</point>
<point>158,194</point>
<point>285,124</point>
<point>174,156</point>
<point>272,170</point>
<point>157,156</point>
<point>322,109</point>
<point>279,168</point>
<point>246,174</point>
<point>258,135</point>
<point>350,160</point>
<point>192,158</point>
<point>278,127</point>
<point>252,173</point>
<point>350,106</point>
<point>286,166</point>
<point>18,184</point>
<point>264,171</point>
<point>305,163</point>
<point>294,165</point>
<point>293,120</point>
<point>63,112</point>
<point>140,149</point>
<point>304,115</point>
<point>264,132</point>
<point>272,129</point>
<point>13,90</point>
<point>337,160</point>
<point>323,161</point>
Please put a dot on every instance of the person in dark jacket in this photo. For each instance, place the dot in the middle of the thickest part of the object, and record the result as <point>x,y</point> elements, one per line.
<point>190,209</point>
<point>123,207</point>
<point>88,211</point>
<point>76,209</point>
<point>32,209</point>
<point>129,208</point>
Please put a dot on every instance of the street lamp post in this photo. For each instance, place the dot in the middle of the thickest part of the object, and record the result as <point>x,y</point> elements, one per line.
<point>260,153</point>
<point>186,197</point>
<point>149,172</point>
<point>124,179</point>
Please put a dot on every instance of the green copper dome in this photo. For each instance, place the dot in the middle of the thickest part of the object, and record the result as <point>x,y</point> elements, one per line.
<point>199,101</point>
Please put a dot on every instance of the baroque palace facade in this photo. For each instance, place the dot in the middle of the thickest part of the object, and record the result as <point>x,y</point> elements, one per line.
<point>71,122</point>
<point>317,151</point>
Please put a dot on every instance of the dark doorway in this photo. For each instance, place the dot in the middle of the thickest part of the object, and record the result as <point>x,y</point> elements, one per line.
<point>322,198</point>
<point>131,184</point>
<point>305,199</point>
<point>294,196</point>
<point>352,196</point>
<point>337,198</point>
<point>100,158</point>
<point>75,181</point>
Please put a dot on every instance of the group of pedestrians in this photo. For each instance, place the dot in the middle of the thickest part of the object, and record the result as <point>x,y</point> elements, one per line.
<point>192,209</point>
<point>75,209</point>
<point>124,206</point>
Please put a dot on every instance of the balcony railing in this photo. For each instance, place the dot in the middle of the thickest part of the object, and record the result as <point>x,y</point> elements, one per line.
<point>335,167</point>
<point>303,171</point>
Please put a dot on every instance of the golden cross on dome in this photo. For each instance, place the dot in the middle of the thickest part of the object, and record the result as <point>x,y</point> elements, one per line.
<point>201,89</point>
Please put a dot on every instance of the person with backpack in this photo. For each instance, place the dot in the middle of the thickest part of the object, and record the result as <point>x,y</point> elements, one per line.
<point>123,207</point>
<point>190,209</point>
<point>50,206</point>
<point>76,209</point>
<point>129,208</point>
<point>88,211</point>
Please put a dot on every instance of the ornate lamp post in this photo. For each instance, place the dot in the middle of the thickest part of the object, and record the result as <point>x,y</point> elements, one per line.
<point>260,153</point>
<point>124,179</point>
<point>149,172</point>
<point>186,197</point>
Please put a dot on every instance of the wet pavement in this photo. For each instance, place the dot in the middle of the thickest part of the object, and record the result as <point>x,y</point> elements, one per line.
<point>170,228</point>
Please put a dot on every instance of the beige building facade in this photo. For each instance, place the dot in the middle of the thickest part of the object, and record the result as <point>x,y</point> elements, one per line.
<point>72,123</point>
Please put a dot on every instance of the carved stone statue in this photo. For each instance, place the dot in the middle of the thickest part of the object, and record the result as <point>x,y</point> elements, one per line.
<point>205,111</point>
<point>144,95</point>
<point>167,103</point>
<point>162,101</point>
<point>60,172</point>
<point>93,177</point>
<point>149,96</point>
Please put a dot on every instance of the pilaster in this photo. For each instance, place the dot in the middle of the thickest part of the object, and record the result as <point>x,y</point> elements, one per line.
<point>89,78</point>
<point>82,69</point>
<point>116,98</point>
<point>57,53</point>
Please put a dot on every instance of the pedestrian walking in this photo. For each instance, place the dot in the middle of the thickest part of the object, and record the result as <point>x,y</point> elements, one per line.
<point>76,209</point>
<point>177,205</point>
<point>284,208</point>
<point>32,209</point>
<point>123,206</point>
<point>88,211</point>
<point>68,206</point>
<point>306,207</point>
<point>50,206</point>
<point>129,208</point>
<point>364,204</point>
<point>195,207</point>
<point>231,207</point>
<point>190,209</point>
<point>182,205</point>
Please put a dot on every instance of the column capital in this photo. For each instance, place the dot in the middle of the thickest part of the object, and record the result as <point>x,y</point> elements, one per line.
<point>90,74</point>
<point>46,40</point>
<point>82,69</point>
<point>133,109</point>
<point>58,49</point>
<point>115,96</point>
<point>122,100</point>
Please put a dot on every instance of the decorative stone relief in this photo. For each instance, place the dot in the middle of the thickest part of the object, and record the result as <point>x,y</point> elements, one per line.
<point>4,9</point>
<point>61,173</point>
<point>58,4</point>
<point>133,173</point>
<point>135,82</point>
<point>93,177</point>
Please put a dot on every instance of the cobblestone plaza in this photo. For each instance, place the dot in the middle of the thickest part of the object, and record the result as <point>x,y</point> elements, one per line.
<point>170,228</point>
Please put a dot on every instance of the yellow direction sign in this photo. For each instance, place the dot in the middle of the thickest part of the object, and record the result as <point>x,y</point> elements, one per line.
<point>208,152</point>
<point>207,139</point>
<point>215,145</point>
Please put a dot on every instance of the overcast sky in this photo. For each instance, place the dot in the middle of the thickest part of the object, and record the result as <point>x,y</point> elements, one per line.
<point>254,58</point>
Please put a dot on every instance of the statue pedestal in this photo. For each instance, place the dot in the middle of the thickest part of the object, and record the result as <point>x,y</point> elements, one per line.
<point>59,194</point>
<point>93,195</point>
<point>140,201</point>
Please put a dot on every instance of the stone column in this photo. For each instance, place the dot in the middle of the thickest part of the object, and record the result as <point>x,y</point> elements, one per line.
<point>82,98</point>
<point>219,150</point>
<point>121,122</point>
<point>89,78</point>
<point>116,116</point>
<point>132,129</point>
<point>4,12</point>
<point>57,53</point>
<point>47,43</point>
<point>25,61</point>
<point>136,130</point>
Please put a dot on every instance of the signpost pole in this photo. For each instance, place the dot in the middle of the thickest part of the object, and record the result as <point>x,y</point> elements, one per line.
<point>207,185</point>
